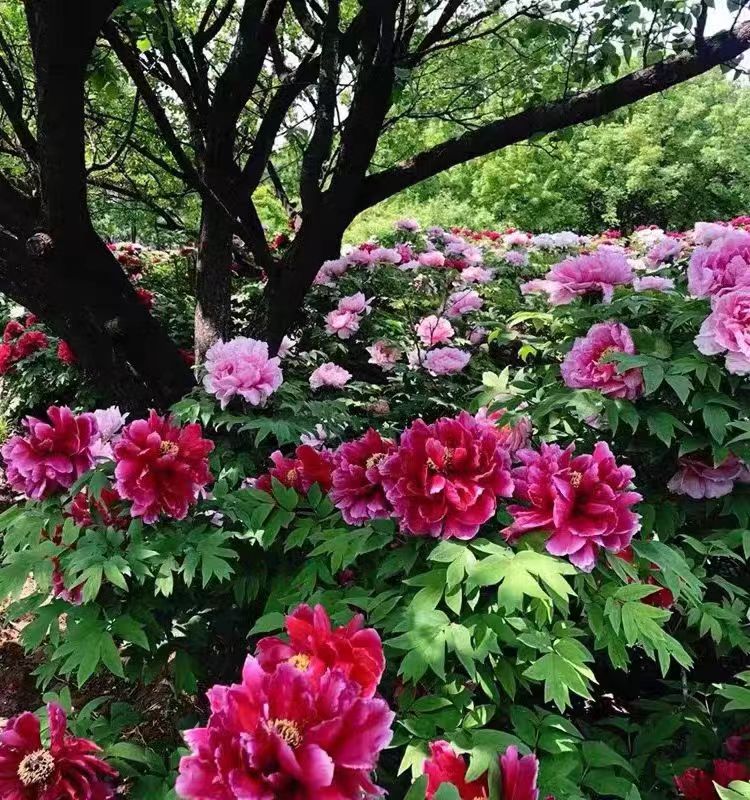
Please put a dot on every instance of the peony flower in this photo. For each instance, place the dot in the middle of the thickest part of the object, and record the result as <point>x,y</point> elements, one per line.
<point>512,437</point>
<point>697,784</point>
<point>583,367</point>
<point>241,367</point>
<point>383,355</point>
<point>315,645</point>
<point>444,479</point>
<point>722,266</point>
<point>65,353</point>
<point>738,744</point>
<point>329,374</point>
<point>653,283</point>
<point>408,225</point>
<point>707,232</point>
<point>600,271</point>
<point>109,422</point>
<point>7,357</point>
<point>316,439</point>
<point>85,510</point>
<point>357,483</point>
<point>516,238</point>
<point>516,258</point>
<point>356,304</point>
<point>699,480</point>
<point>160,467</point>
<point>432,258</point>
<point>476,275</point>
<point>343,324</point>
<point>582,502</point>
<point>12,331</point>
<point>145,297</point>
<point>385,255</point>
<point>663,597</point>
<point>463,302</point>
<point>477,335</point>
<point>434,330</point>
<point>30,342</point>
<point>52,455</point>
<point>667,249</point>
<point>287,734</point>
<point>286,347</point>
<point>69,768</point>
<point>445,360</point>
<point>727,330</point>
<point>360,256</point>
<point>309,466</point>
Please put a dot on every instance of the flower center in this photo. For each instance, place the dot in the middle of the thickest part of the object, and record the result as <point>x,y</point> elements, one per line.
<point>374,460</point>
<point>301,661</point>
<point>36,767</point>
<point>288,730</point>
<point>447,461</point>
<point>608,351</point>
<point>575,479</point>
<point>169,448</point>
<point>291,476</point>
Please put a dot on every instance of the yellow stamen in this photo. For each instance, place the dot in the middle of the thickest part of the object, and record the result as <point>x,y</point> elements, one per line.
<point>374,460</point>
<point>169,448</point>
<point>301,661</point>
<point>291,476</point>
<point>288,730</point>
<point>36,767</point>
<point>575,479</point>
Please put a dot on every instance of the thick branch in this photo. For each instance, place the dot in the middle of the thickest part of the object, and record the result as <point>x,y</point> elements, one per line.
<point>550,117</point>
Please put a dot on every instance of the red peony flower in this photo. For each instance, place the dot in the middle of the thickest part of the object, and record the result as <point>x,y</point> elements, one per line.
<point>310,465</point>
<point>31,319</point>
<point>697,784</point>
<point>663,598</point>
<point>738,744</point>
<point>357,483</point>
<point>145,297</point>
<point>29,343</point>
<point>287,734</point>
<point>584,502</point>
<point>85,511</point>
<point>188,356</point>
<point>12,331</point>
<point>53,455</point>
<point>444,479</point>
<point>314,645</point>
<point>7,357</point>
<point>160,467</point>
<point>74,595</point>
<point>68,769</point>
<point>65,353</point>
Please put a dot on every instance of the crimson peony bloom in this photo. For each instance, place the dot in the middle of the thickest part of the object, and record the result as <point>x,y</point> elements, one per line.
<point>357,485</point>
<point>7,357</point>
<point>69,769</point>
<point>583,502</point>
<point>12,331</point>
<point>145,297</point>
<point>315,646</point>
<point>85,510</point>
<point>160,467</point>
<point>65,353</point>
<point>310,465</point>
<point>663,597</point>
<point>444,479</point>
<point>697,784</point>
<point>286,735</point>
<point>29,343</point>
<point>518,774</point>
<point>52,455</point>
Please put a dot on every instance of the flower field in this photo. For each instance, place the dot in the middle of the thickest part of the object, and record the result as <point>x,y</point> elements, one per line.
<point>479,529</point>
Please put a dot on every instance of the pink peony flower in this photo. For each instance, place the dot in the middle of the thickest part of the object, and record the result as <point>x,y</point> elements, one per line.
<point>727,330</point>
<point>241,367</point>
<point>52,455</point>
<point>315,645</point>
<point>316,439</point>
<point>600,271</point>
<point>160,467</point>
<point>12,331</point>
<point>583,502</point>
<point>69,768</point>
<point>406,253</point>
<point>516,258</point>
<point>512,437</point>
<point>360,257</point>
<point>287,734</point>
<point>444,479</point>
<point>356,304</point>
<point>476,275</point>
<point>707,232</point>
<point>383,355</point>
<point>357,483</point>
<point>329,374</point>
<point>434,330</point>
<point>462,302</point>
<point>286,347</point>
<point>700,480</point>
<point>445,360</point>
<point>432,258</point>
<point>408,225</point>
<point>722,266</point>
<point>477,335</point>
<point>385,255</point>
<point>516,238</point>
<point>667,249</point>
<point>343,324</point>
<point>583,367</point>
<point>653,283</point>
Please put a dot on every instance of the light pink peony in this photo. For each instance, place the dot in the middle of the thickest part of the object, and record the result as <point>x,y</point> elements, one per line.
<point>516,258</point>
<point>408,225</point>
<point>432,258</point>
<point>667,249</point>
<point>385,255</point>
<point>600,271</point>
<point>383,355</point>
<point>109,422</point>
<point>241,367</point>
<point>52,455</point>
<point>722,266</point>
<point>727,330</point>
<point>653,283</point>
<point>356,304</point>
<point>512,437</point>
<point>434,330</point>
<point>707,232</point>
<point>343,324</point>
<point>583,502</point>
<point>476,275</point>
<point>445,360</point>
<point>699,480</point>
<point>477,335</point>
<point>329,374</point>
<point>462,302</point>
<point>516,238</point>
<point>360,257</point>
<point>584,367</point>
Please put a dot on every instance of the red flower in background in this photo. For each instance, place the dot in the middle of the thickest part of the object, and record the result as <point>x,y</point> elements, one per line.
<point>12,331</point>
<point>315,645</point>
<point>7,357</point>
<point>85,510</point>
<point>161,467</point>
<point>69,769</point>
<point>188,356</point>
<point>65,353</point>
<point>663,598</point>
<point>310,465</point>
<point>697,784</point>
<point>738,744</point>
<point>145,297</point>
<point>30,342</point>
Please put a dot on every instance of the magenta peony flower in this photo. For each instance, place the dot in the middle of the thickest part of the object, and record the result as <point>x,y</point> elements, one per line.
<point>653,283</point>
<point>462,302</point>
<point>68,769</point>
<point>583,367</point>
<point>432,258</point>
<point>356,304</point>
<point>722,266</point>
<point>316,646</point>
<point>445,360</point>
<point>329,374</point>
<point>343,324</point>
<point>444,479</point>
<point>383,355</point>
<point>160,467</point>
<point>727,330</point>
<point>309,466</point>
<point>52,455</point>
<point>511,437</point>
<point>434,330</point>
<point>357,483</point>
<point>241,367</point>
<point>583,502</point>
<point>288,734</point>
<point>700,480</point>
<point>600,271</point>
<point>519,776</point>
